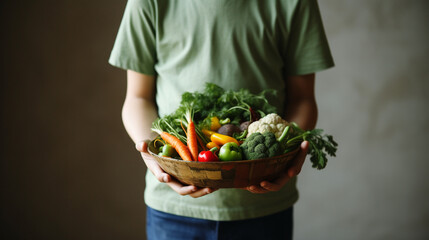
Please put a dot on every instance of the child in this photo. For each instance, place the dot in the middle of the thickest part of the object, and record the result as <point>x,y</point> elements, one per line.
<point>172,46</point>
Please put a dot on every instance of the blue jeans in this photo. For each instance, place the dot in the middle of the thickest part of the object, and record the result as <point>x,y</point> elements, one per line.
<point>165,226</point>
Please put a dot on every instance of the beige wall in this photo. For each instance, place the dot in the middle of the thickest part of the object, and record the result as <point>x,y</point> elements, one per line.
<point>375,101</point>
<point>69,171</point>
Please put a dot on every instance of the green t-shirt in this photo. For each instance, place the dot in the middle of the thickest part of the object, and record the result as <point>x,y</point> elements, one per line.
<point>236,44</point>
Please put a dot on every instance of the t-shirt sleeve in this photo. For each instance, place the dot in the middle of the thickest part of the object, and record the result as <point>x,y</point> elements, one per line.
<point>135,44</point>
<point>307,49</point>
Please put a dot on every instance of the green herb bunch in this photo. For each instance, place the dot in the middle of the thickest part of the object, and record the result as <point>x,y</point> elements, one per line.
<point>320,145</point>
<point>238,106</point>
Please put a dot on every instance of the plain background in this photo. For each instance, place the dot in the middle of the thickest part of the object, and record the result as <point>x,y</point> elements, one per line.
<point>69,170</point>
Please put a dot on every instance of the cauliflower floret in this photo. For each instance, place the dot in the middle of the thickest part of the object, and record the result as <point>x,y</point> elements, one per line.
<point>270,123</point>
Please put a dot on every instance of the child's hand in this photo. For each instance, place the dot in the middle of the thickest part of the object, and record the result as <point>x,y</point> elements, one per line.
<point>292,171</point>
<point>162,176</point>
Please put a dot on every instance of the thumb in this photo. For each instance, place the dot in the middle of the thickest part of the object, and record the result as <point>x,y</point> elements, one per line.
<point>142,146</point>
<point>295,169</point>
<point>151,164</point>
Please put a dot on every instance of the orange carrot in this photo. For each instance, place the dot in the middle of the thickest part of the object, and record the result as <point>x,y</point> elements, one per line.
<point>192,141</point>
<point>192,136</point>
<point>183,128</point>
<point>181,148</point>
<point>201,144</point>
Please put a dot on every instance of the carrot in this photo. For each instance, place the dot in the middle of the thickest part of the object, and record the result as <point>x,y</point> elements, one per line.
<point>183,128</point>
<point>201,144</point>
<point>192,141</point>
<point>192,136</point>
<point>174,139</point>
<point>181,148</point>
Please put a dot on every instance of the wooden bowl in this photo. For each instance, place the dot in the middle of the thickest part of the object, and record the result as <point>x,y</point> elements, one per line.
<point>236,174</point>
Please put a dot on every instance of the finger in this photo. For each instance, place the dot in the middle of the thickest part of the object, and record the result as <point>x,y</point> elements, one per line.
<point>142,146</point>
<point>202,192</point>
<point>299,160</point>
<point>256,189</point>
<point>154,167</point>
<point>293,170</point>
<point>182,189</point>
<point>277,184</point>
<point>151,163</point>
<point>156,170</point>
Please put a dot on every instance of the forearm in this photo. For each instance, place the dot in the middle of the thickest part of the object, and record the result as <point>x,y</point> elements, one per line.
<point>137,116</point>
<point>303,112</point>
<point>301,106</point>
<point>139,109</point>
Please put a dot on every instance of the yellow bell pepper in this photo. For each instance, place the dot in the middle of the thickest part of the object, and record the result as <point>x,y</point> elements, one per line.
<point>211,145</point>
<point>215,124</point>
<point>221,139</point>
<point>207,132</point>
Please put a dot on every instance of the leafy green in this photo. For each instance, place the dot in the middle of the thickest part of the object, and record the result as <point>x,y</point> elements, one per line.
<point>320,145</point>
<point>238,106</point>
